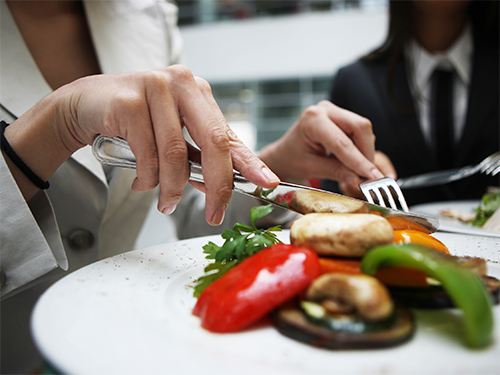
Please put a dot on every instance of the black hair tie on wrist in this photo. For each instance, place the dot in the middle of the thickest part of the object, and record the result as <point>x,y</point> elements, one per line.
<point>9,151</point>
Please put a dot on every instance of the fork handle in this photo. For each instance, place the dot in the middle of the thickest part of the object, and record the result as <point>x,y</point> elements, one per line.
<point>436,178</point>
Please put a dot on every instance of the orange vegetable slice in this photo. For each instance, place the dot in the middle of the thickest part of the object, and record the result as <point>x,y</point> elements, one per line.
<point>395,276</point>
<point>351,266</point>
<point>417,237</point>
<point>399,223</point>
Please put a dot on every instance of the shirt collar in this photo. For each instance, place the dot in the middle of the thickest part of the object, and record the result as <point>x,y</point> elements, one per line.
<point>458,56</point>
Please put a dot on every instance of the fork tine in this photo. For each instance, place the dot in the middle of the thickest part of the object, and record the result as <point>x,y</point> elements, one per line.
<point>389,187</point>
<point>491,160</point>
<point>492,166</point>
<point>495,171</point>
<point>380,198</point>
<point>399,194</point>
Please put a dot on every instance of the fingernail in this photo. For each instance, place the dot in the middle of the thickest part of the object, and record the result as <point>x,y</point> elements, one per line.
<point>377,174</point>
<point>270,176</point>
<point>168,210</point>
<point>219,215</point>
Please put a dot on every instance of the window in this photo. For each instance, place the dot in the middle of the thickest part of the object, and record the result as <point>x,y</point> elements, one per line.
<point>269,107</point>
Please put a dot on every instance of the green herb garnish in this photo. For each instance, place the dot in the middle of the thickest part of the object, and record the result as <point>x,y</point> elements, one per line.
<point>240,242</point>
<point>489,204</point>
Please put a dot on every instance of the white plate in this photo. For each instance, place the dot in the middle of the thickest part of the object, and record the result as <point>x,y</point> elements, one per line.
<point>131,314</point>
<point>447,223</point>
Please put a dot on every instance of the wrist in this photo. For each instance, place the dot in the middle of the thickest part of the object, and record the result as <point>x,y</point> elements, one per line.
<point>38,140</point>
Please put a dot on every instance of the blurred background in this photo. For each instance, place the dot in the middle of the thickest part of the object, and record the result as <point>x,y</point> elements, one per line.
<point>268,60</point>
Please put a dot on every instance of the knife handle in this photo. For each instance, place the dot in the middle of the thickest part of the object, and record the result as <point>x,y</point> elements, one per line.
<point>116,152</point>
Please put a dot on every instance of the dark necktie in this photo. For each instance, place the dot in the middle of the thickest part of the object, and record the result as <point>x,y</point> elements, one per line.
<point>442,117</point>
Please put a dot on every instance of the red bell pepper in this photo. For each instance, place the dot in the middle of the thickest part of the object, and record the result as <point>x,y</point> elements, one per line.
<point>256,286</point>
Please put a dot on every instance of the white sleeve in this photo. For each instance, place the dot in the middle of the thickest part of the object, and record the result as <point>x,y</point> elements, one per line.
<point>30,243</point>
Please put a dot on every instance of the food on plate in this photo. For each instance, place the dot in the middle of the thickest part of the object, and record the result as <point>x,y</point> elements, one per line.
<point>347,235</point>
<point>490,203</point>
<point>340,293</point>
<point>432,295</point>
<point>353,298</point>
<point>486,215</point>
<point>454,213</point>
<point>308,325</point>
<point>391,276</point>
<point>398,223</point>
<point>257,285</point>
<point>463,286</point>
<point>240,242</point>
<point>415,236</point>
<point>309,201</point>
<point>345,311</point>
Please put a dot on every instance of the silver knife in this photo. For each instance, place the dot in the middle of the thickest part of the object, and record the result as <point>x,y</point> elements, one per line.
<point>116,152</point>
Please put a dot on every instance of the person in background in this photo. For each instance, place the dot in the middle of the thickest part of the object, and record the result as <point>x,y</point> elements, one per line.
<point>73,69</point>
<point>395,87</point>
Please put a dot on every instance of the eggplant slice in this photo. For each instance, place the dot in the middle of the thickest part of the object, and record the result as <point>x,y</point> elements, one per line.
<point>435,297</point>
<point>291,321</point>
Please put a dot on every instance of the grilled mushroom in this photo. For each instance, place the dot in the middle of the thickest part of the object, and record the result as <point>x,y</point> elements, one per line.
<point>362,294</point>
<point>346,235</point>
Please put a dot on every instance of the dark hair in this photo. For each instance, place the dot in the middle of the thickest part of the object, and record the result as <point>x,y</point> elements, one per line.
<point>483,15</point>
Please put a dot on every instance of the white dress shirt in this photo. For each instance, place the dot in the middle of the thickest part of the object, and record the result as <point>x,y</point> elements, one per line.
<point>421,64</point>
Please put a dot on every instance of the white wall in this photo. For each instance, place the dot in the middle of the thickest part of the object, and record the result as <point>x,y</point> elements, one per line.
<point>308,44</point>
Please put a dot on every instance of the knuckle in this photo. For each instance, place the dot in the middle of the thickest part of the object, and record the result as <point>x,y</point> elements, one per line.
<point>224,192</point>
<point>203,85</point>
<point>176,153</point>
<point>343,143</point>
<point>365,125</point>
<point>154,78</point>
<point>312,111</point>
<point>173,194</point>
<point>180,74</point>
<point>325,103</point>
<point>150,164</point>
<point>218,138</point>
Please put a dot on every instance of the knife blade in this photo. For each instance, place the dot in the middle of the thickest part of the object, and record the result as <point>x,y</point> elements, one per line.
<point>116,152</point>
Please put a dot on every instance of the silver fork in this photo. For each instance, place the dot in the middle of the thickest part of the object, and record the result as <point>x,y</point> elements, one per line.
<point>489,166</point>
<point>383,191</point>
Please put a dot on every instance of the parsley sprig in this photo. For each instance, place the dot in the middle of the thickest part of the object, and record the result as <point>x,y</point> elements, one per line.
<point>240,242</point>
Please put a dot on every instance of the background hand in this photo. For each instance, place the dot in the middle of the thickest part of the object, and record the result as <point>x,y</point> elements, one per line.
<point>327,142</point>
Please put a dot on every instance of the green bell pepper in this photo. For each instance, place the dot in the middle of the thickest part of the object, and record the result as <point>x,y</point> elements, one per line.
<point>465,288</point>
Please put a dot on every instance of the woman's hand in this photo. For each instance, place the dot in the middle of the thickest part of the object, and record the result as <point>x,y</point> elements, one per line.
<point>327,142</point>
<point>383,163</point>
<point>149,110</point>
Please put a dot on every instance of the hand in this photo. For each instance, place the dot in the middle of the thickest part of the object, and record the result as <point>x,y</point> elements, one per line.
<point>149,110</point>
<point>327,142</point>
<point>383,163</point>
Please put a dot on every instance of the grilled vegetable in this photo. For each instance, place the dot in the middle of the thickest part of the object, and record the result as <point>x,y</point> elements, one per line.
<point>417,237</point>
<point>345,235</point>
<point>345,311</point>
<point>240,242</point>
<point>463,286</point>
<point>254,287</point>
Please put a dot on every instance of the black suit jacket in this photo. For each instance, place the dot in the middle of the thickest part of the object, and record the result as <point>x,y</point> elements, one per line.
<point>361,88</point>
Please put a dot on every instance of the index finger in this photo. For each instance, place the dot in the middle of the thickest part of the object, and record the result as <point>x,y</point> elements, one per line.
<point>339,145</point>
<point>357,128</point>
<point>210,135</point>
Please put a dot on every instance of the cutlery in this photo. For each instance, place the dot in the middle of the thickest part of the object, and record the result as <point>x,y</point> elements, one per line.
<point>489,166</point>
<point>116,152</point>
<point>386,189</point>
